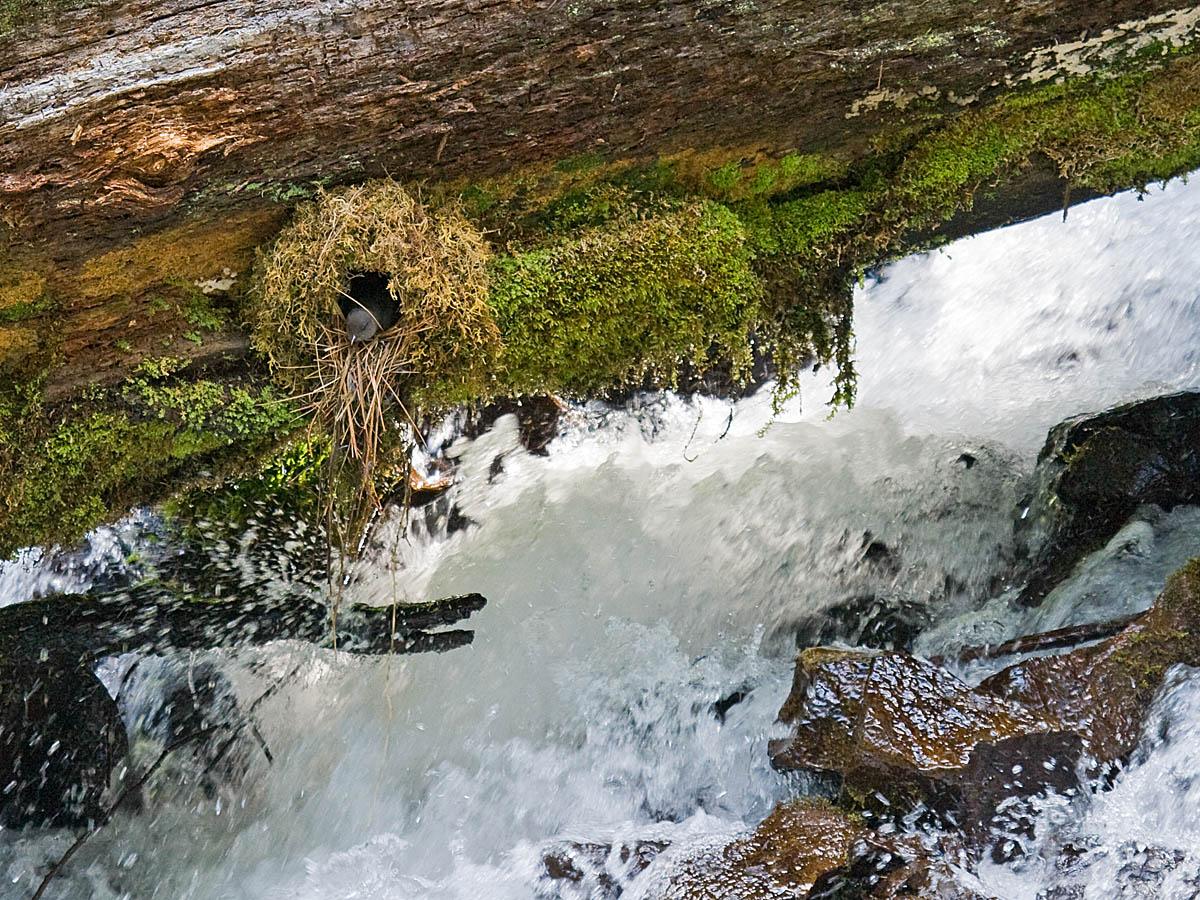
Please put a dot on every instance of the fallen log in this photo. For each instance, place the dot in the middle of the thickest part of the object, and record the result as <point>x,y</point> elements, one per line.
<point>146,157</point>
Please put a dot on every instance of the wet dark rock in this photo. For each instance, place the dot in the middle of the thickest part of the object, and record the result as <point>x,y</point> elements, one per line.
<point>190,704</point>
<point>61,734</point>
<point>924,879</point>
<point>719,380</point>
<point>721,707</point>
<point>1002,777</point>
<point>1095,471</point>
<point>865,621</point>
<point>537,420</point>
<point>1141,873</point>
<point>865,873</point>
<point>904,734</point>
<point>592,870</point>
<point>456,521</point>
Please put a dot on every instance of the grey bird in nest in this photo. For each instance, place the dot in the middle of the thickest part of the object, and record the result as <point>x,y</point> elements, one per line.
<point>367,306</point>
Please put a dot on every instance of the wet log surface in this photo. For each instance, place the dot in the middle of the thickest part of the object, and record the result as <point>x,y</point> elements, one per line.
<point>61,733</point>
<point>147,618</point>
<point>145,140</point>
<point>116,114</point>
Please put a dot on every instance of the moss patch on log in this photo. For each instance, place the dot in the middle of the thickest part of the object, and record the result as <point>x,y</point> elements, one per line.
<point>17,13</point>
<point>66,469</point>
<point>626,301</point>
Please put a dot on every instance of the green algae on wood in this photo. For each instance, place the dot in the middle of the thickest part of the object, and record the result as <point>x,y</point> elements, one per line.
<point>67,469</point>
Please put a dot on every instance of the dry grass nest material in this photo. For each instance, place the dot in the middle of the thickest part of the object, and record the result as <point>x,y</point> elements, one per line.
<point>437,262</point>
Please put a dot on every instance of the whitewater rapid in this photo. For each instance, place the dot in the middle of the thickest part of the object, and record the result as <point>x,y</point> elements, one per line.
<point>659,561</point>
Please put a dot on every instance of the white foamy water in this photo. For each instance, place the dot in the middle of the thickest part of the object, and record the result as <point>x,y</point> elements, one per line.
<point>659,561</point>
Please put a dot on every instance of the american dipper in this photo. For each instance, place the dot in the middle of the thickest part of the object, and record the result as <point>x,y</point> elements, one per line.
<point>367,306</point>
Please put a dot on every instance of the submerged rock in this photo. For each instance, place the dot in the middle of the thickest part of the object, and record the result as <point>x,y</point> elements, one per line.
<point>538,420</point>
<point>1095,471</point>
<point>592,870</point>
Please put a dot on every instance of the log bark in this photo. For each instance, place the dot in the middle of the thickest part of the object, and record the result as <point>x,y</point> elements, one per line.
<point>202,121</point>
<point>117,114</point>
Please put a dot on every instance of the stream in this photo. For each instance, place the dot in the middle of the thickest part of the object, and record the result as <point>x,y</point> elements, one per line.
<point>648,580</point>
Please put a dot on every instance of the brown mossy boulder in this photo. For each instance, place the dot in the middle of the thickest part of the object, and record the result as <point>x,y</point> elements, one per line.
<point>901,733</point>
<point>1102,692</point>
<point>810,850</point>
<point>855,707</point>
<point>784,857</point>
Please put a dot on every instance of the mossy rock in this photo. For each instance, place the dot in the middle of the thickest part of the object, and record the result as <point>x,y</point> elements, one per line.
<point>1103,692</point>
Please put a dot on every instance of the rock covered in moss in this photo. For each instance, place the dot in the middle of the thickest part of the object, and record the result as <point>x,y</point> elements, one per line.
<point>901,733</point>
<point>811,850</point>
<point>783,857</point>
<point>847,706</point>
<point>1102,692</point>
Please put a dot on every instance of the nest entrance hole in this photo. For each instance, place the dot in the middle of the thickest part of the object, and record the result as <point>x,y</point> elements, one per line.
<point>367,305</point>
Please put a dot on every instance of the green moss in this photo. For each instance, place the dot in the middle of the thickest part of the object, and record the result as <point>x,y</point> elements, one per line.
<point>615,273</point>
<point>622,302</point>
<point>64,471</point>
<point>19,312</point>
<point>807,226</point>
<point>1105,134</point>
<point>200,311</point>
<point>17,13</point>
<point>581,162</point>
<point>290,479</point>
<point>607,272</point>
<point>221,413</point>
<point>740,179</point>
<point>726,179</point>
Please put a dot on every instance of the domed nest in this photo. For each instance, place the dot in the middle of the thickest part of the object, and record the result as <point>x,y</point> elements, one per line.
<point>410,284</point>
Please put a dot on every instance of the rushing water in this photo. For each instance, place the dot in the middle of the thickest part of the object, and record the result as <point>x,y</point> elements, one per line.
<point>657,565</point>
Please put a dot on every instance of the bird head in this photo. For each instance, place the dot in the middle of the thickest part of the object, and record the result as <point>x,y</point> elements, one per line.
<point>360,325</point>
